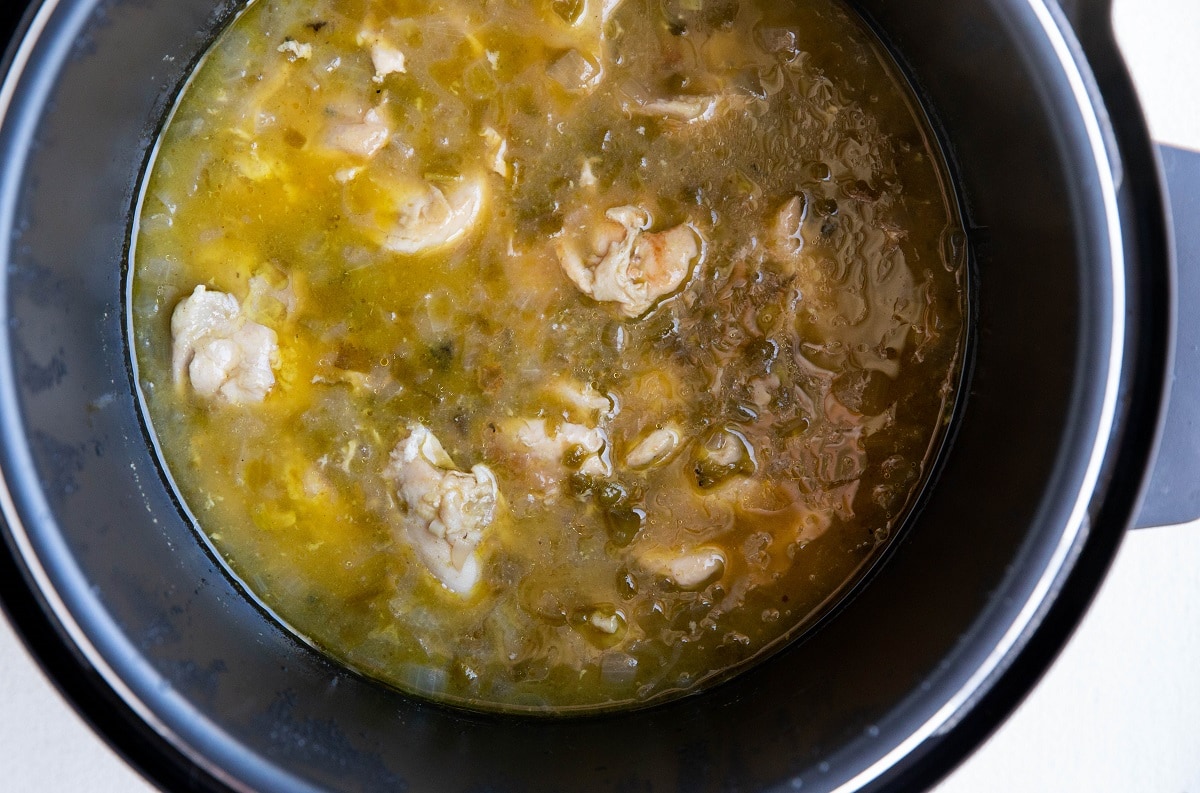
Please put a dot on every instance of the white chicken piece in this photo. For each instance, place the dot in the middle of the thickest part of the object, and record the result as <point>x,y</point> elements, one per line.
<point>272,296</point>
<point>387,60</point>
<point>429,218</point>
<point>688,570</point>
<point>586,177</point>
<point>225,356</point>
<point>550,448</point>
<point>605,623</point>
<point>655,449</point>
<point>763,390</point>
<point>785,231</point>
<point>385,57</point>
<point>363,137</point>
<point>540,458</point>
<point>629,265</point>
<point>448,510</point>
<point>727,447</point>
<point>686,109</point>
<point>583,402</point>
<point>498,149</point>
<point>295,50</point>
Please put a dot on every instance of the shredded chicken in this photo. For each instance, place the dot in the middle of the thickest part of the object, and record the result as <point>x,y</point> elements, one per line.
<point>763,390</point>
<point>448,511</point>
<point>430,218</point>
<point>273,294</point>
<point>785,237</point>
<point>655,449</point>
<point>224,355</point>
<point>725,455</point>
<point>385,57</point>
<point>551,447</point>
<point>586,177</point>
<point>295,50</point>
<point>690,570</point>
<point>540,458</point>
<point>605,623</point>
<point>688,109</point>
<point>498,149</point>
<point>362,137</point>
<point>582,402</point>
<point>798,518</point>
<point>627,264</point>
<point>727,448</point>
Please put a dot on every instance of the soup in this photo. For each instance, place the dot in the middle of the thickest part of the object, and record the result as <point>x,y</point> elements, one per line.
<point>553,355</point>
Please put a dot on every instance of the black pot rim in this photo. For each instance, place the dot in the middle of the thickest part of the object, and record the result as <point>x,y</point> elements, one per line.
<point>1099,513</point>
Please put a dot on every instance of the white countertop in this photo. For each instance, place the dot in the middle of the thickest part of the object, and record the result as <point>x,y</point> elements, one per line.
<point>1119,711</point>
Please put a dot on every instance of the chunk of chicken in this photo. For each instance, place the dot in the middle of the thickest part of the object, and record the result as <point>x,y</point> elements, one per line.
<point>447,510</point>
<point>581,402</point>
<point>362,137</point>
<point>605,623</point>
<point>629,265</point>
<point>763,390</point>
<point>586,177</point>
<point>726,453</point>
<point>785,230</point>
<point>498,150</point>
<point>688,570</point>
<point>541,458</point>
<point>385,57</point>
<point>552,448</point>
<point>272,294</point>
<point>687,109</point>
<point>429,218</point>
<point>295,50</point>
<point>795,517</point>
<point>225,356</point>
<point>655,449</point>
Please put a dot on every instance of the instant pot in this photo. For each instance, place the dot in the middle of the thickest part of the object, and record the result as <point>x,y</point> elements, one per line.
<point>1053,445</point>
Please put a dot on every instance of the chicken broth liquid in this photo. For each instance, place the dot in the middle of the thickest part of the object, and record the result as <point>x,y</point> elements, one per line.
<point>547,354</point>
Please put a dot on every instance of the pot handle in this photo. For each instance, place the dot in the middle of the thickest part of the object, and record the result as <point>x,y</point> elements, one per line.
<point>1173,493</point>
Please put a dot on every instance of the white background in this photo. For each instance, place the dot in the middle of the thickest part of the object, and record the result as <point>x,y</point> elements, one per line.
<point>1119,712</point>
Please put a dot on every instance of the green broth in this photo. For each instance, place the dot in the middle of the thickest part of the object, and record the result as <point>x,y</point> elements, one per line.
<point>835,364</point>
